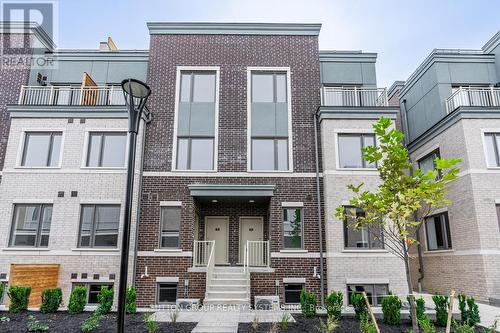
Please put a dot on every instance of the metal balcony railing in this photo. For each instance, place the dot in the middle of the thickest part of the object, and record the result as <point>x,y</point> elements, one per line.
<point>473,96</point>
<point>68,95</point>
<point>361,97</point>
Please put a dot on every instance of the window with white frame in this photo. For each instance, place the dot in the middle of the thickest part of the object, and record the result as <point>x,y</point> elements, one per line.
<point>166,293</point>
<point>269,121</point>
<point>4,294</point>
<point>437,228</point>
<point>106,149</point>
<point>31,225</point>
<point>497,206</point>
<point>351,147</point>
<point>293,237</point>
<point>364,238</point>
<point>170,217</point>
<point>374,292</point>
<point>93,289</point>
<point>99,226</point>
<point>196,120</point>
<point>428,162</point>
<point>292,292</point>
<point>492,141</point>
<point>41,149</point>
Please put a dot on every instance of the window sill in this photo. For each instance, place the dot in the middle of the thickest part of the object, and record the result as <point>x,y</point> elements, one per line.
<point>34,249</point>
<point>82,249</point>
<point>194,171</point>
<point>269,171</point>
<point>357,169</point>
<point>365,251</point>
<point>104,168</point>
<point>36,168</point>
<point>439,251</point>
<point>167,250</point>
<point>293,251</point>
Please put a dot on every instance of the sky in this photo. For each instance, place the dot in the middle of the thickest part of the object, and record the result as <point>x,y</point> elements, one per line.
<point>402,32</point>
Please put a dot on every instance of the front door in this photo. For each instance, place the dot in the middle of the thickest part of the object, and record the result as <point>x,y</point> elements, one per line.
<point>251,229</point>
<point>217,229</point>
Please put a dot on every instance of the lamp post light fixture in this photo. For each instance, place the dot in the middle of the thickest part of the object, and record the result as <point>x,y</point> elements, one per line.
<point>136,94</point>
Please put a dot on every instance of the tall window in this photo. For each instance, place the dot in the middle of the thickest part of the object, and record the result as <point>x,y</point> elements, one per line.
<point>498,216</point>
<point>99,226</point>
<point>363,238</point>
<point>350,150</point>
<point>107,149</point>
<point>492,141</point>
<point>269,126</point>
<point>170,223</point>
<point>41,149</point>
<point>292,228</point>
<point>196,121</point>
<point>438,232</point>
<point>429,162</point>
<point>31,225</point>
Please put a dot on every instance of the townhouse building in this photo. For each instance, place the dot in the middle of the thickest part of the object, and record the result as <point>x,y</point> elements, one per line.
<point>450,108</point>
<point>63,179</point>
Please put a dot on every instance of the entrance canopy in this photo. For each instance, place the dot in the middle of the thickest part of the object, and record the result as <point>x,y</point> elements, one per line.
<point>231,192</point>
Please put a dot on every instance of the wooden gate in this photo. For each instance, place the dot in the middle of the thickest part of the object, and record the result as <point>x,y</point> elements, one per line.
<point>38,277</point>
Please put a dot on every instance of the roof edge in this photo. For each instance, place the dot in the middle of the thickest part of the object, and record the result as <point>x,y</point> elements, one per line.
<point>34,28</point>
<point>344,56</point>
<point>214,28</point>
<point>491,43</point>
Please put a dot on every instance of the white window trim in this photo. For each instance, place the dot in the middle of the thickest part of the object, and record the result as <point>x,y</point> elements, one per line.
<point>337,152</point>
<point>176,116</point>
<point>249,117</point>
<point>22,141</point>
<point>85,152</point>
<point>426,152</point>
<point>293,204</point>
<point>485,151</point>
<point>443,210</point>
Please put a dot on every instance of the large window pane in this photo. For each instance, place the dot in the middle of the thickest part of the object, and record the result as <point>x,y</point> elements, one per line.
<point>374,292</point>
<point>438,232</point>
<point>292,228</point>
<point>170,224</point>
<point>107,150</point>
<point>182,154</point>
<point>42,149</point>
<point>292,293</point>
<point>350,152</point>
<point>202,154</point>
<point>204,88</point>
<point>167,292</point>
<point>86,225</point>
<point>368,238</point>
<point>31,225</point>
<point>262,88</point>
<point>282,154</point>
<point>99,225</point>
<point>185,87</point>
<point>492,141</point>
<point>94,151</point>
<point>262,154</point>
<point>281,88</point>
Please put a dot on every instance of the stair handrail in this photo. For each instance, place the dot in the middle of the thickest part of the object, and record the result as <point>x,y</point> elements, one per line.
<point>210,265</point>
<point>246,270</point>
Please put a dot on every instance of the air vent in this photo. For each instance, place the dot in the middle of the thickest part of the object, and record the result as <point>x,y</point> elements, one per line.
<point>96,276</point>
<point>74,276</point>
<point>74,194</point>
<point>112,276</point>
<point>84,275</point>
<point>82,120</point>
<point>70,120</point>
<point>60,194</point>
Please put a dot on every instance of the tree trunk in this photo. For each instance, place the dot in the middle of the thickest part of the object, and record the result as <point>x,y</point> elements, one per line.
<point>413,309</point>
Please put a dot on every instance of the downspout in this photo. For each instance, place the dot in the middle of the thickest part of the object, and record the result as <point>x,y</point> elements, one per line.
<point>320,229</point>
<point>147,120</point>
<point>419,251</point>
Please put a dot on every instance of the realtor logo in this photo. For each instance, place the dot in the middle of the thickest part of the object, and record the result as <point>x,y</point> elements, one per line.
<point>21,45</point>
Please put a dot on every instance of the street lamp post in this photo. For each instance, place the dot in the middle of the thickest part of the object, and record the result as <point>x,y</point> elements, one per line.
<point>136,94</point>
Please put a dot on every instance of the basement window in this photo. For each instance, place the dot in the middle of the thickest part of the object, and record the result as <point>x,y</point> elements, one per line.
<point>166,293</point>
<point>292,292</point>
<point>93,290</point>
<point>374,292</point>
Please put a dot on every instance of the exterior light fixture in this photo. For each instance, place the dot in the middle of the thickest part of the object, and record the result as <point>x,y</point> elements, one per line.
<point>214,201</point>
<point>136,94</point>
<point>251,201</point>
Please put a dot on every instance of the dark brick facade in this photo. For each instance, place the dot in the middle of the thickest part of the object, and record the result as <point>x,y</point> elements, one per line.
<point>233,54</point>
<point>11,81</point>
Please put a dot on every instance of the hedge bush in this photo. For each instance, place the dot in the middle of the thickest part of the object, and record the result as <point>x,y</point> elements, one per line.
<point>334,303</point>
<point>358,302</point>
<point>105,299</point>
<point>51,300</point>
<point>308,303</point>
<point>468,309</point>
<point>441,307</point>
<point>77,300</point>
<point>391,308</point>
<point>131,296</point>
<point>19,298</point>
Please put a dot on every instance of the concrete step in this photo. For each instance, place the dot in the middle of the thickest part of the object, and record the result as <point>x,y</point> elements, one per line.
<point>225,275</point>
<point>227,294</point>
<point>226,301</point>
<point>228,269</point>
<point>223,287</point>
<point>215,329</point>
<point>224,281</point>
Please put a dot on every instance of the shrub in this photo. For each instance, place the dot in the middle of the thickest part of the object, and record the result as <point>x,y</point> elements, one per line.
<point>285,321</point>
<point>420,307</point>
<point>255,323</point>
<point>426,325</point>
<point>19,298</point>
<point>131,296</point>
<point>105,299</point>
<point>151,325</point>
<point>92,322</point>
<point>77,300</point>
<point>365,325</point>
<point>1,291</point>
<point>328,326</point>
<point>468,309</point>
<point>464,327</point>
<point>334,303</point>
<point>51,300</point>
<point>441,306</point>
<point>308,303</point>
<point>358,302</point>
<point>391,308</point>
<point>35,325</point>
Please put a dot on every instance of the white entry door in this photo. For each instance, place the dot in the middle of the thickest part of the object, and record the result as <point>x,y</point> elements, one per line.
<point>251,229</point>
<point>217,229</point>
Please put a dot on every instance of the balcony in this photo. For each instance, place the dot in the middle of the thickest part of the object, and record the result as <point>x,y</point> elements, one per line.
<point>71,95</point>
<point>473,96</point>
<point>354,97</point>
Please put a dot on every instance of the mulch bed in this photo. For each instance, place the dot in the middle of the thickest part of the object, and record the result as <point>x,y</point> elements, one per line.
<point>62,322</point>
<point>346,325</point>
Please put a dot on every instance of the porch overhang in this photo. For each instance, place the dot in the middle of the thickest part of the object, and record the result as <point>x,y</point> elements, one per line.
<point>231,190</point>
